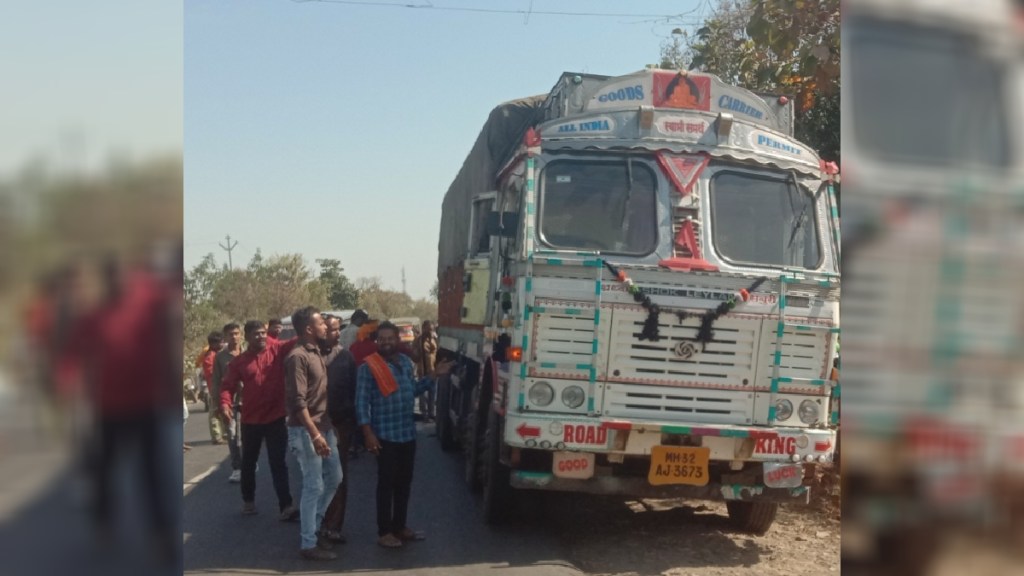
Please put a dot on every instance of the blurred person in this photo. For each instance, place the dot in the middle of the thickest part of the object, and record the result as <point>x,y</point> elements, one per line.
<point>366,342</point>
<point>424,353</point>
<point>386,390</point>
<point>310,431</point>
<point>230,430</point>
<point>341,395</point>
<point>121,352</point>
<point>253,374</point>
<point>350,334</point>
<point>274,328</point>
<point>214,342</point>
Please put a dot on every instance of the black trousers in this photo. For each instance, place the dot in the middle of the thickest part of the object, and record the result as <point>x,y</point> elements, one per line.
<point>116,437</point>
<point>394,482</point>
<point>276,435</point>
<point>334,517</point>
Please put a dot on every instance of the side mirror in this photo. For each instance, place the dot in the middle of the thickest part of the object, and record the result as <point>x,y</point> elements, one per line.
<point>503,224</point>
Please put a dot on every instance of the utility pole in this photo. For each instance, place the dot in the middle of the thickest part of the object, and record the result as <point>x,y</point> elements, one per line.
<point>229,248</point>
<point>404,291</point>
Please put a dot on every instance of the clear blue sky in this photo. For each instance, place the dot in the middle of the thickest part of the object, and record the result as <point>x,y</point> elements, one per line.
<point>87,80</point>
<point>333,130</point>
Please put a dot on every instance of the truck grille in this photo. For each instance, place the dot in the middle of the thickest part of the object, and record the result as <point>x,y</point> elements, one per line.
<point>727,362</point>
<point>691,405</point>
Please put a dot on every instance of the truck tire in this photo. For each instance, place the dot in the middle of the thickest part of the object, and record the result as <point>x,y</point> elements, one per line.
<point>443,423</point>
<point>471,444</point>
<point>497,493</point>
<point>753,517</point>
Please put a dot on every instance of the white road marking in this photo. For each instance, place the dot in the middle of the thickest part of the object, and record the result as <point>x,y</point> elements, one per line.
<point>192,483</point>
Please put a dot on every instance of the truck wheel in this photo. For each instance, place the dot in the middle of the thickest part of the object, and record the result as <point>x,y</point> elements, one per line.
<point>443,423</point>
<point>498,494</point>
<point>471,444</point>
<point>752,517</point>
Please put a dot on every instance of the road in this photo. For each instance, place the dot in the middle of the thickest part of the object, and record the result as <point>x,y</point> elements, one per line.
<point>562,536</point>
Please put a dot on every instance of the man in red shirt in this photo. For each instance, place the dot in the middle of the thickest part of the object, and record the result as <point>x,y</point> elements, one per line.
<point>260,372</point>
<point>214,341</point>
<point>127,380</point>
<point>274,328</point>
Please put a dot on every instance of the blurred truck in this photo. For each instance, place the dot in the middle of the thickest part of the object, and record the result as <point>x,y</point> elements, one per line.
<point>933,254</point>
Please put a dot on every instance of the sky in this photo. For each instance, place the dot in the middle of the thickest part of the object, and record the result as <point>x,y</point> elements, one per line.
<point>333,130</point>
<point>85,82</point>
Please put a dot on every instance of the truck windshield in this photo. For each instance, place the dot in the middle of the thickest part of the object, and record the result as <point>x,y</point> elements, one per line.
<point>924,96</point>
<point>764,220</point>
<point>608,206</point>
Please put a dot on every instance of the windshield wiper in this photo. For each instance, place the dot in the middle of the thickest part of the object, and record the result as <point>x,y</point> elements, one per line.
<point>800,219</point>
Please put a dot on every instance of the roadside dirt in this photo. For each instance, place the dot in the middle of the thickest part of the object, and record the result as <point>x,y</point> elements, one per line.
<point>608,537</point>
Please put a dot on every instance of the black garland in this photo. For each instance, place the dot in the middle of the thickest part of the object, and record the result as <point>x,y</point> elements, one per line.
<point>650,331</point>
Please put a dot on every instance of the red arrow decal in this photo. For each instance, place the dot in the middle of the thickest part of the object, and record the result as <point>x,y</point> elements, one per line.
<point>527,431</point>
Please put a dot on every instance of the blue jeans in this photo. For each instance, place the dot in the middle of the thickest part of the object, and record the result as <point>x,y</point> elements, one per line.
<point>320,479</point>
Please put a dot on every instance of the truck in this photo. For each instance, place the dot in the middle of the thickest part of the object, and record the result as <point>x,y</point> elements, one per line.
<point>638,280</point>
<point>932,365</point>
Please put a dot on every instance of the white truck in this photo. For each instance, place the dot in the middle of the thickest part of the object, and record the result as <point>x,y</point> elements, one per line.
<point>639,278</point>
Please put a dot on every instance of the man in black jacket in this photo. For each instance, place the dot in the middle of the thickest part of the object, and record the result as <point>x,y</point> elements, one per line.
<point>341,402</point>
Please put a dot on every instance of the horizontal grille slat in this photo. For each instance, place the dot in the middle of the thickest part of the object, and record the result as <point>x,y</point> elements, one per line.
<point>675,404</point>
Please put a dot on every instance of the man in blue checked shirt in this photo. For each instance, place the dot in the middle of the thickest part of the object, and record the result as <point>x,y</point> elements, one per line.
<point>386,391</point>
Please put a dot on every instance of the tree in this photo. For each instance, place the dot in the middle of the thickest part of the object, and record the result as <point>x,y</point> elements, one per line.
<point>380,302</point>
<point>775,46</point>
<point>341,292</point>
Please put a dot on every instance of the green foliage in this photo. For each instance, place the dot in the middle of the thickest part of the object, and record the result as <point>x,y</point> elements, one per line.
<point>382,303</point>
<point>341,292</point>
<point>266,288</point>
<point>775,46</point>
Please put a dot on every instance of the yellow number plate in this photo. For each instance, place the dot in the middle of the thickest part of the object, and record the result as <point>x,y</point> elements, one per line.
<point>679,465</point>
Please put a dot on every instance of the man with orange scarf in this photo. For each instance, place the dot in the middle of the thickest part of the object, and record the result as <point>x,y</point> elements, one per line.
<point>386,390</point>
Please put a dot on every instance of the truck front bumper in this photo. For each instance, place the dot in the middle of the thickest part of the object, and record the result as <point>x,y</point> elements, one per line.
<point>641,488</point>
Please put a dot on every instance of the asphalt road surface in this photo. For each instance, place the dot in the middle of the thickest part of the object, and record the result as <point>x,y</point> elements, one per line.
<point>558,536</point>
<point>218,539</point>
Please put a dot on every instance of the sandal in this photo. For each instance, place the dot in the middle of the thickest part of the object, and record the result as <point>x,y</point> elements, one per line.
<point>389,541</point>
<point>334,536</point>
<point>409,535</point>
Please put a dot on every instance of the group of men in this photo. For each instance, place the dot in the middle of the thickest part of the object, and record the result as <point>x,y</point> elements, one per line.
<point>312,395</point>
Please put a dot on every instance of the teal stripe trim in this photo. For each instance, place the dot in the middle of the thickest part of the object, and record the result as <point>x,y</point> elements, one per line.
<point>780,329</point>
<point>595,346</point>
<point>782,301</point>
<point>526,312</point>
<point>548,365</point>
<point>771,414</point>
<point>593,372</point>
<point>775,385</point>
<point>835,418</point>
<point>834,330</point>
<point>676,430</point>
<point>529,284</point>
<point>522,400</point>
<point>585,367</point>
<point>592,263</point>
<point>597,316</point>
<point>778,357</point>
<point>590,404</point>
<point>836,391</point>
<point>530,209</point>
<point>725,433</point>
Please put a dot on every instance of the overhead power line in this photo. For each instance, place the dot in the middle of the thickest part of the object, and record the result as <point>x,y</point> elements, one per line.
<point>522,12</point>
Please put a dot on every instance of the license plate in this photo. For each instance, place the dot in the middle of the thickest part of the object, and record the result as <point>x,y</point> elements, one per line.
<point>679,465</point>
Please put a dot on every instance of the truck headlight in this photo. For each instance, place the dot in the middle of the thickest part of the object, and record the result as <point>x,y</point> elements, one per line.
<point>573,396</point>
<point>541,394</point>
<point>808,412</point>
<point>783,409</point>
